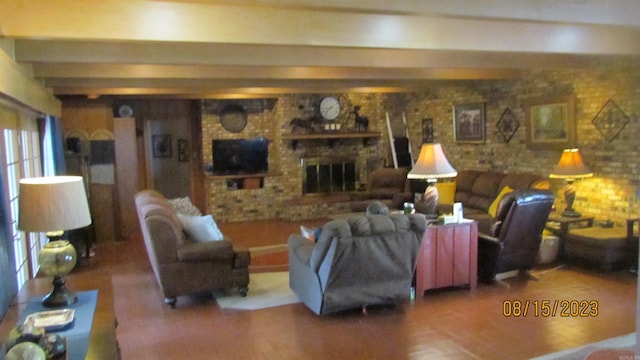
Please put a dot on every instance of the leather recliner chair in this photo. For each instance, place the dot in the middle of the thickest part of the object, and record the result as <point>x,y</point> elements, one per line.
<point>360,261</point>
<point>515,235</point>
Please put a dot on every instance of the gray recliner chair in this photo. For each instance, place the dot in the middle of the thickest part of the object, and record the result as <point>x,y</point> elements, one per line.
<point>360,261</point>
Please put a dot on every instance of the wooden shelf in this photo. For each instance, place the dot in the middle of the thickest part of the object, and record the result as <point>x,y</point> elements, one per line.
<point>330,136</point>
<point>238,176</point>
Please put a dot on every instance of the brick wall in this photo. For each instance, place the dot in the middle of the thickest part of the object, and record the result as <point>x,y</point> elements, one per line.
<point>610,194</point>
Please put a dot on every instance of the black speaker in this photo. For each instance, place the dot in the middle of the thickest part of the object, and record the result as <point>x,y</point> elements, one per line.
<point>73,145</point>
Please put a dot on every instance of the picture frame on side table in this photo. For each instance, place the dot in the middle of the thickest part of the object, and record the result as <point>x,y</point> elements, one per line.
<point>469,123</point>
<point>161,146</point>
<point>551,123</point>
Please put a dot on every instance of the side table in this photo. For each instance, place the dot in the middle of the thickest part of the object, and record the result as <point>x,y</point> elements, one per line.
<point>564,223</point>
<point>103,344</point>
<point>448,257</point>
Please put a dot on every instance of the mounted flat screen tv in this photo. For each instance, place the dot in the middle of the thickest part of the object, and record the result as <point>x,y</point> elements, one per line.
<point>240,156</point>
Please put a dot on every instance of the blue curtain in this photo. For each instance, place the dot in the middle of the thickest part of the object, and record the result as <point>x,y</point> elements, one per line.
<point>52,144</point>
<point>8,281</point>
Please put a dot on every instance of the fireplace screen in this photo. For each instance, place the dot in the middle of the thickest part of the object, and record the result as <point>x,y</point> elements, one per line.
<point>328,176</point>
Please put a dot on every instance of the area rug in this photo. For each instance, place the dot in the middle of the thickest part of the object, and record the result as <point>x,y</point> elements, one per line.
<point>615,348</point>
<point>266,290</point>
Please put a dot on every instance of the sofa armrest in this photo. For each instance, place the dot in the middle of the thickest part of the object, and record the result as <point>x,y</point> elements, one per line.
<point>212,250</point>
<point>241,258</point>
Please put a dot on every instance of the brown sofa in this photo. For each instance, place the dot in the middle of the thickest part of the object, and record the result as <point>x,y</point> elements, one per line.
<point>476,190</point>
<point>386,185</point>
<point>181,265</point>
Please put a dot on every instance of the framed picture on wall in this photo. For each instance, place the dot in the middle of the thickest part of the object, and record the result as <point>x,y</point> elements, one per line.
<point>468,123</point>
<point>550,123</point>
<point>161,146</point>
<point>427,131</point>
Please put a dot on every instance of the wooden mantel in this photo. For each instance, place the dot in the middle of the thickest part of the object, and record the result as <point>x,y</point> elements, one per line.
<point>331,136</point>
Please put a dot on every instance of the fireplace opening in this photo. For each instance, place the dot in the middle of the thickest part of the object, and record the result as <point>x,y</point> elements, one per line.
<point>328,176</point>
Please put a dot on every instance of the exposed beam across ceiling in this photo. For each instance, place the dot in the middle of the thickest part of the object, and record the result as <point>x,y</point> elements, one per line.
<point>212,48</point>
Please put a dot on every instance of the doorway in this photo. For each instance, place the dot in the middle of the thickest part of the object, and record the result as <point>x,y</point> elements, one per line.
<point>167,156</point>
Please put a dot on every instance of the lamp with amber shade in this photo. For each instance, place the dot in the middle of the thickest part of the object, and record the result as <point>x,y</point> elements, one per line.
<point>570,167</point>
<point>431,165</point>
<point>53,205</point>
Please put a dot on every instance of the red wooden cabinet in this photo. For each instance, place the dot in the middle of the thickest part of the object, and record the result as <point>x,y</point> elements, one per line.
<point>448,257</point>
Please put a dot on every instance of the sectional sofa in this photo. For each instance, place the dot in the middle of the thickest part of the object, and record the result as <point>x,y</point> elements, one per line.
<point>477,190</point>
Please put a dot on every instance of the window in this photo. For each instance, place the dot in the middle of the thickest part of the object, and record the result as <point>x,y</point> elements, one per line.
<point>22,159</point>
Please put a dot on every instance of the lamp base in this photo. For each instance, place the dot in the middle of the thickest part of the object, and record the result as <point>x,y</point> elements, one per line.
<point>60,296</point>
<point>430,199</point>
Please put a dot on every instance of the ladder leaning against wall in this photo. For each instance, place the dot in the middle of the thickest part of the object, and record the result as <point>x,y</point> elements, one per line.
<point>400,143</point>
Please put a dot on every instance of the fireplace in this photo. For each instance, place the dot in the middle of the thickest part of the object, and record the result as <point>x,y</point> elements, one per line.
<point>328,176</point>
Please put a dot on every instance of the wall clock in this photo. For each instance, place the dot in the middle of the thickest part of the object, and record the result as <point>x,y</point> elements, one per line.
<point>233,118</point>
<point>329,108</point>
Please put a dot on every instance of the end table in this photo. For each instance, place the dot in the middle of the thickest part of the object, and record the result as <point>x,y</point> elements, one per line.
<point>448,257</point>
<point>565,222</point>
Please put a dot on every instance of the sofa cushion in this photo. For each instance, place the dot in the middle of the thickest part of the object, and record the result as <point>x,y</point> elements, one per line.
<point>383,192</point>
<point>493,208</point>
<point>184,206</point>
<point>465,180</point>
<point>487,184</point>
<point>519,181</point>
<point>200,228</point>
<point>446,191</point>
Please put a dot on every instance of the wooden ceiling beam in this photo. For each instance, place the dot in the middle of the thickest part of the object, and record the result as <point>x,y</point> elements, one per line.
<point>231,23</point>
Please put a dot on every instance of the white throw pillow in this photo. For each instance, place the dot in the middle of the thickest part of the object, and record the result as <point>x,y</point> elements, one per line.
<point>184,206</point>
<point>200,228</point>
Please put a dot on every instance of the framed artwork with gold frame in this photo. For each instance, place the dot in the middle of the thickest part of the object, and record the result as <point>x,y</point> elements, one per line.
<point>551,123</point>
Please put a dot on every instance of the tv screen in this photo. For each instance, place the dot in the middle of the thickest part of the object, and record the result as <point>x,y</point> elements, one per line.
<point>240,156</point>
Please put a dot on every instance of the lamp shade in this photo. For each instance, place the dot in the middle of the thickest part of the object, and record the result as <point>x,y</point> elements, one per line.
<point>570,166</point>
<point>53,203</point>
<point>432,164</point>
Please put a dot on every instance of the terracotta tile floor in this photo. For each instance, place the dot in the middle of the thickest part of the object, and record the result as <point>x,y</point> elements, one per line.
<point>453,324</point>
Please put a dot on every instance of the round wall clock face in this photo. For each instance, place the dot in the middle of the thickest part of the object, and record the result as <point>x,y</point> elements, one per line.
<point>329,108</point>
<point>233,118</point>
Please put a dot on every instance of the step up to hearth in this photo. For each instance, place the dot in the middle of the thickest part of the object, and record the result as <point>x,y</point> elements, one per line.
<point>314,207</point>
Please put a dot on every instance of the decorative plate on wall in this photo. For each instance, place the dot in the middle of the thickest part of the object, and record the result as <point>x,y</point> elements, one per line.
<point>125,111</point>
<point>233,118</point>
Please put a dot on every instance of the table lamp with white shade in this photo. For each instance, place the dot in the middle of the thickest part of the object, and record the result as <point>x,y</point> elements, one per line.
<point>432,164</point>
<point>54,204</point>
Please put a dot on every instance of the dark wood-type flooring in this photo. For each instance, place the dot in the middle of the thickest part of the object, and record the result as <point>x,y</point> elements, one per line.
<point>452,324</point>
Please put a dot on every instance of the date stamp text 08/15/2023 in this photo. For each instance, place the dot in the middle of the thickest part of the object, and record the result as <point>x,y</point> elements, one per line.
<point>550,308</point>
